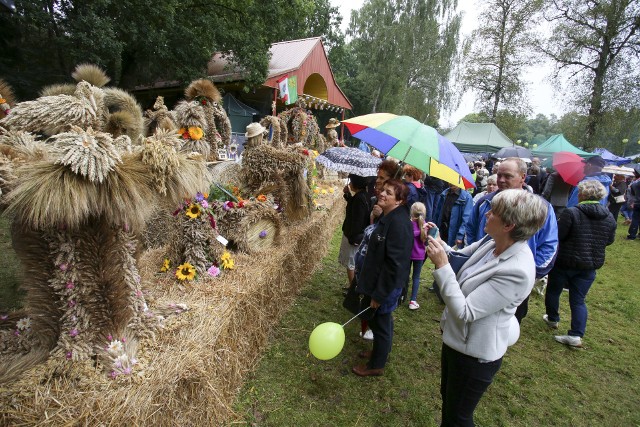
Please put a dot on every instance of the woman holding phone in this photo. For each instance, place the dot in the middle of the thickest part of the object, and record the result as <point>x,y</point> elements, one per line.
<point>481,297</point>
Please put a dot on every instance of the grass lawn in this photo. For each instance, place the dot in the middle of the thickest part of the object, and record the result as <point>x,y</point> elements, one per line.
<point>541,382</point>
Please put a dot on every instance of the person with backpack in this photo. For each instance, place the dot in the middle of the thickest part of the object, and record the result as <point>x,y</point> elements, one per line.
<point>417,192</point>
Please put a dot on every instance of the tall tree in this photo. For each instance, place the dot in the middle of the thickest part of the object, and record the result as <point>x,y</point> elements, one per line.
<point>404,52</point>
<point>500,48</point>
<point>596,44</point>
<point>140,41</point>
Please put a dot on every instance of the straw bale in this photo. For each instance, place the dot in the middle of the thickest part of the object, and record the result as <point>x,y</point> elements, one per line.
<point>191,373</point>
<point>242,227</point>
<point>226,172</point>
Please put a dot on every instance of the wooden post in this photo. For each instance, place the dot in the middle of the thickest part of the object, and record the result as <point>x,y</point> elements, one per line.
<point>342,130</point>
<point>275,100</point>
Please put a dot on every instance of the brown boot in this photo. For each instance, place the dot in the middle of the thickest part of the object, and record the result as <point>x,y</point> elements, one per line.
<point>363,371</point>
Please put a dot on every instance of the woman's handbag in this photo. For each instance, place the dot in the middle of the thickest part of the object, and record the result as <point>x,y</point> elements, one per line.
<point>356,302</point>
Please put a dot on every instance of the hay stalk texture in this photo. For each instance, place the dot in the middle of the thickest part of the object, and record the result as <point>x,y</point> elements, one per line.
<point>192,372</point>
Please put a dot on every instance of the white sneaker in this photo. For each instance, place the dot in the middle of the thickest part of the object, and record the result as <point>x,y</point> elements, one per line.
<point>413,305</point>
<point>569,340</point>
<point>552,325</point>
<point>368,335</point>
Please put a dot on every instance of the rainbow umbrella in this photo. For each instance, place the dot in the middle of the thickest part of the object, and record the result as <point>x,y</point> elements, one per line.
<point>414,143</point>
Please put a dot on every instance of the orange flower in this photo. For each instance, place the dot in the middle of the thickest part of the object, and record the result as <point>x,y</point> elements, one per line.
<point>195,133</point>
<point>262,198</point>
<point>181,131</point>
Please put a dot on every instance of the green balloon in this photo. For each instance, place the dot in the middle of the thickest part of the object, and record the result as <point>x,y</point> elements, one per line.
<point>326,340</point>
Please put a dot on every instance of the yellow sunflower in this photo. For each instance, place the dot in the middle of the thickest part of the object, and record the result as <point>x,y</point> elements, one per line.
<point>165,265</point>
<point>193,211</point>
<point>186,271</point>
<point>195,133</point>
<point>226,261</point>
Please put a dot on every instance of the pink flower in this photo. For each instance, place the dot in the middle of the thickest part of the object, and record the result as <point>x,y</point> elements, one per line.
<point>72,303</point>
<point>213,271</point>
<point>73,333</point>
<point>70,285</point>
<point>204,204</point>
<point>16,333</point>
<point>113,374</point>
<point>64,266</point>
<point>138,293</point>
<point>4,317</point>
<point>127,371</point>
<point>69,355</point>
<point>110,337</point>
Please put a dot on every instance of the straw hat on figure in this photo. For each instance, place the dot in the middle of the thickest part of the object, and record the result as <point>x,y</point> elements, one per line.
<point>332,134</point>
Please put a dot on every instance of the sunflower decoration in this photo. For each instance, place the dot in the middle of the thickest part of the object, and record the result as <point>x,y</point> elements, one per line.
<point>193,211</point>
<point>226,261</point>
<point>186,272</point>
<point>165,265</point>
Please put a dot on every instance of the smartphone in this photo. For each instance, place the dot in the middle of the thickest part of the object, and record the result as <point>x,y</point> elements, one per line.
<point>433,232</point>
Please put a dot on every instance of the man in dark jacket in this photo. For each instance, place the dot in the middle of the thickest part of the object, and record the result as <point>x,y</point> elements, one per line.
<point>355,220</point>
<point>634,204</point>
<point>583,232</point>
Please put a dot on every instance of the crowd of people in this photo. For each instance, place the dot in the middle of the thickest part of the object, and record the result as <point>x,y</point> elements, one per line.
<point>522,226</point>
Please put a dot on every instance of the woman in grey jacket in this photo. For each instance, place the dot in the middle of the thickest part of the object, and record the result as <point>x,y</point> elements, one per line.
<point>478,322</point>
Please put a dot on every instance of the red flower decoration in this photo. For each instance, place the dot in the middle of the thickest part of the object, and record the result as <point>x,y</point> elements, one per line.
<point>241,204</point>
<point>212,221</point>
<point>185,135</point>
<point>231,205</point>
<point>305,152</point>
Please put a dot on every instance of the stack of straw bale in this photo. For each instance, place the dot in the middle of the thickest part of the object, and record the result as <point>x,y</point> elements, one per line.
<point>191,373</point>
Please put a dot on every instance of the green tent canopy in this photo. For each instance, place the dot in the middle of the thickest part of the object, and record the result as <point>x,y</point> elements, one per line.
<point>478,138</point>
<point>240,114</point>
<point>557,143</point>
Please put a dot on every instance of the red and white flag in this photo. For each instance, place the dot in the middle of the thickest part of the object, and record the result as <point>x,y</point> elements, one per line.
<point>283,86</point>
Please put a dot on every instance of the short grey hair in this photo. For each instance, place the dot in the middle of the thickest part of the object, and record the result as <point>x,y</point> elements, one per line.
<point>522,166</point>
<point>493,179</point>
<point>525,210</point>
<point>591,190</point>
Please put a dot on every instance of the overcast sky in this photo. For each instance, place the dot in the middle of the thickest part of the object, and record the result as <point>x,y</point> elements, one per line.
<point>540,91</point>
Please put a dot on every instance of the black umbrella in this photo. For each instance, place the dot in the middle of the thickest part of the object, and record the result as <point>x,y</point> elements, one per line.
<point>349,160</point>
<point>9,4</point>
<point>515,151</point>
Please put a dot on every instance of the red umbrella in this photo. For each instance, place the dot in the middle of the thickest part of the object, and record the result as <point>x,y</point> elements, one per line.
<point>570,166</point>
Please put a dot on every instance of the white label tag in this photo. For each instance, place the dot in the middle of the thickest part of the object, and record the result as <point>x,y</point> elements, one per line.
<point>222,240</point>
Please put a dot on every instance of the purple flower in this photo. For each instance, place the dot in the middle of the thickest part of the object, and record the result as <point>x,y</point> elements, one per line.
<point>113,374</point>
<point>72,303</point>
<point>4,317</point>
<point>64,266</point>
<point>69,355</point>
<point>213,271</point>
<point>263,234</point>
<point>127,371</point>
<point>16,333</point>
<point>199,197</point>
<point>73,333</point>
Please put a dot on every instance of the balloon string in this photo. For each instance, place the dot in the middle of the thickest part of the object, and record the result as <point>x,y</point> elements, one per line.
<point>348,321</point>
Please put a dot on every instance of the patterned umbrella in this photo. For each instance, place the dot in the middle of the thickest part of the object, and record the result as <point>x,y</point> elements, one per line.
<point>414,143</point>
<point>349,160</point>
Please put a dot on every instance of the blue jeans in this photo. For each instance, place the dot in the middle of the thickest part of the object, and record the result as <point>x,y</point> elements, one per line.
<point>578,282</point>
<point>416,264</point>
<point>626,211</point>
<point>635,221</point>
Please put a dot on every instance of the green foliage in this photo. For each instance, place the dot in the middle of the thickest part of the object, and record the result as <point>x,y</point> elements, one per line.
<point>501,48</point>
<point>540,379</point>
<point>400,57</point>
<point>595,45</point>
<point>141,41</point>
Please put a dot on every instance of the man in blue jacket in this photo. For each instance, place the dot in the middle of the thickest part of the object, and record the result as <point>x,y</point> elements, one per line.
<point>452,213</point>
<point>592,170</point>
<point>544,244</point>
